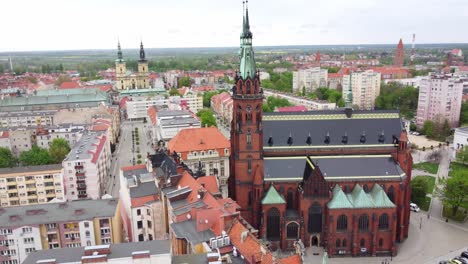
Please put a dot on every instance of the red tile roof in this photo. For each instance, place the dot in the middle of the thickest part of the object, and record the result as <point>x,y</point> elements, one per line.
<point>140,201</point>
<point>4,134</point>
<point>335,75</point>
<point>134,167</point>
<point>210,183</point>
<point>69,85</point>
<point>98,150</point>
<point>99,127</point>
<point>152,115</point>
<point>198,139</point>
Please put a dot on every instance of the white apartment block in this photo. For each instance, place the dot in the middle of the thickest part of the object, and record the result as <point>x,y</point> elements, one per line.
<point>191,101</point>
<point>311,79</point>
<point>86,168</point>
<point>17,243</point>
<point>364,87</point>
<point>440,98</point>
<point>20,139</point>
<point>308,103</point>
<point>460,140</point>
<point>31,185</point>
<point>71,133</point>
<point>138,107</point>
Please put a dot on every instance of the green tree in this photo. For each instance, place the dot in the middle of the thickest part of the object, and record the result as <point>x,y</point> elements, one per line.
<point>207,117</point>
<point>274,102</point>
<point>464,113</point>
<point>174,92</point>
<point>35,156</point>
<point>7,160</point>
<point>454,190</point>
<point>184,81</point>
<point>429,128</point>
<point>58,150</point>
<point>462,156</point>
<point>397,96</point>
<point>418,190</point>
<point>61,79</point>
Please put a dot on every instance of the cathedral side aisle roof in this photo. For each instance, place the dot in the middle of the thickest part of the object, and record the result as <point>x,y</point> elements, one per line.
<point>273,197</point>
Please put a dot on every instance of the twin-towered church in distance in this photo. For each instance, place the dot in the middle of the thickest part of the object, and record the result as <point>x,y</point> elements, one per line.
<point>338,179</point>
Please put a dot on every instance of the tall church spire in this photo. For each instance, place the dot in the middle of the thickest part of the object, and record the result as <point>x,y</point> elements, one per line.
<point>119,52</point>
<point>246,54</point>
<point>142,52</point>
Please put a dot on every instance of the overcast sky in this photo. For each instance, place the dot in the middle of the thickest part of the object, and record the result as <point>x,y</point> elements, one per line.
<point>96,24</point>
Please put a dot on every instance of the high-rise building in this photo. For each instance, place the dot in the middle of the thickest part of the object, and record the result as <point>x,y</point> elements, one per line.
<point>361,88</point>
<point>440,98</point>
<point>309,79</point>
<point>128,80</point>
<point>399,59</point>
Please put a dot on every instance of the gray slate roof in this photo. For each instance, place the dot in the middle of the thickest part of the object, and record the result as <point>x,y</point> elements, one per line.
<point>123,250</point>
<point>380,167</point>
<point>30,169</point>
<point>57,212</point>
<point>188,231</point>
<point>299,125</point>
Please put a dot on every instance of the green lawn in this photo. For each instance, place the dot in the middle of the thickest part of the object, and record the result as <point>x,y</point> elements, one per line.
<point>455,166</point>
<point>424,202</point>
<point>427,166</point>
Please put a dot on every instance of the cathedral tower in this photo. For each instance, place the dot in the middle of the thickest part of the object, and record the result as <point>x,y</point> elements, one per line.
<point>143,81</point>
<point>120,69</point>
<point>246,177</point>
<point>399,59</point>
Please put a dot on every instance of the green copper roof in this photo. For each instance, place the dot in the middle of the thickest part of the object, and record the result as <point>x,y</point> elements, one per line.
<point>339,199</point>
<point>247,60</point>
<point>380,198</point>
<point>358,198</point>
<point>273,197</point>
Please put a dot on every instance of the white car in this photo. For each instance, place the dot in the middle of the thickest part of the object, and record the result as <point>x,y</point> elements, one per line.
<point>414,207</point>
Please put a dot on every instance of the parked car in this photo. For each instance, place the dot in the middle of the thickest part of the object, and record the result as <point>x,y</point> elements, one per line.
<point>455,261</point>
<point>464,254</point>
<point>414,207</point>
<point>462,259</point>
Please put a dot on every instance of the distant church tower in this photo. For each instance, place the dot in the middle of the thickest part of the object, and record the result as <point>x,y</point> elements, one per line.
<point>399,59</point>
<point>120,69</point>
<point>246,180</point>
<point>143,81</point>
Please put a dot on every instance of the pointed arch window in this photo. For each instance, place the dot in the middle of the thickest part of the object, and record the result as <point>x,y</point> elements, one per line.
<point>290,199</point>
<point>364,223</point>
<point>391,194</point>
<point>362,243</point>
<point>344,242</point>
<point>273,224</point>
<point>292,231</point>
<point>315,218</point>
<point>342,223</point>
<point>380,242</point>
<point>338,243</point>
<point>383,222</point>
<point>249,164</point>
<point>249,137</point>
<point>249,88</point>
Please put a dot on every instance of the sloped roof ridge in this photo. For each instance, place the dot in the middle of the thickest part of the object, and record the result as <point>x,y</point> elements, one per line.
<point>380,198</point>
<point>360,199</point>
<point>339,200</point>
<point>273,197</point>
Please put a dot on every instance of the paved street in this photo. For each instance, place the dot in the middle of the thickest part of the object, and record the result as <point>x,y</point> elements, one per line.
<point>123,155</point>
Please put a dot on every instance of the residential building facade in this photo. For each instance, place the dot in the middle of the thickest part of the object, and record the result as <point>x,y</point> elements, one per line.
<point>460,140</point>
<point>27,118</point>
<point>26,229</point>
<point>21,186</point>
<point>440,98</point>
<point>142,214</point>
<point>86,167</point>
<point>165,124</point>
<point>361,88</point>
<point>309,79</point>
<point>70,133</point>
<point>207,147</point>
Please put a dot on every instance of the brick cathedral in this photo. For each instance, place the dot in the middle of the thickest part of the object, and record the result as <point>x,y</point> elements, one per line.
<point>336,179</point>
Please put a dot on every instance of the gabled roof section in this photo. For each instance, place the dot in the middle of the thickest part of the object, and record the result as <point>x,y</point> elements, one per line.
<point>360,199</point>
<point>273,197</point>
<point>339,200</point>
<point>380,198</point>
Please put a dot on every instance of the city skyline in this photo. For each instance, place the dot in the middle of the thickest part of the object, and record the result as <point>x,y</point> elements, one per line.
<point>208,23</point>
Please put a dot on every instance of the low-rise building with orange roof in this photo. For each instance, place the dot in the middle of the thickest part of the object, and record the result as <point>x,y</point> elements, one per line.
<point>206,145</point>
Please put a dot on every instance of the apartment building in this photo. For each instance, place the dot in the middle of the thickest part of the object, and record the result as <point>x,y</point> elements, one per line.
<point>302,101</point>
<point>165,124</point>
<point>5,139</point>
<point>142,213</point>
<point>141,252</point>
<point>221,104</point>
<point>86,167</point>
<point>309,79</point>
<point>31,185</point>
<point>26,229</point>
<point>21,139</point>
<point>440,98</point>
<point>361,88</point>
<point>27,118</point>
<point>71,133</point>
<point>206,147</point>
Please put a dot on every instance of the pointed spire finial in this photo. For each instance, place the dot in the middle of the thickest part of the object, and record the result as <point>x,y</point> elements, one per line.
<point>119,50</point>
<point>142,52</point>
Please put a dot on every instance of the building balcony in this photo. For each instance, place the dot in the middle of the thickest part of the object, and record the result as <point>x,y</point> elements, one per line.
<point>79,167</point>
<point>81,188</point>
<point>79,174</point>
<point>11,183</point>
<point>82,196</point>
